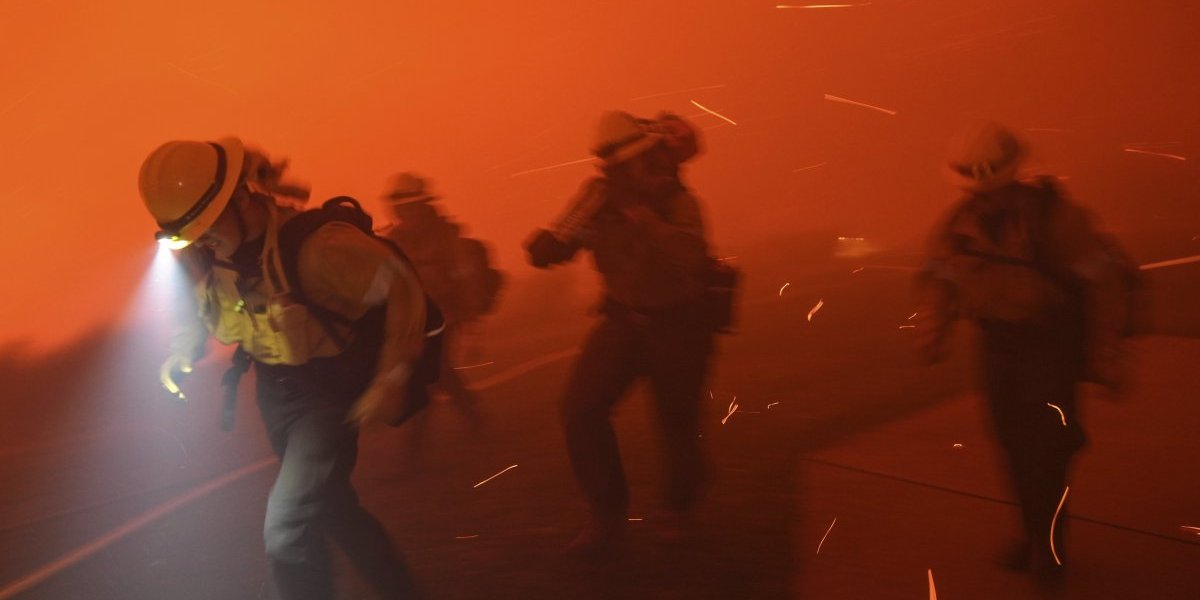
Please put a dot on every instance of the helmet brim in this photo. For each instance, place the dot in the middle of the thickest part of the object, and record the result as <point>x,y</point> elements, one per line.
<point>632,149</point>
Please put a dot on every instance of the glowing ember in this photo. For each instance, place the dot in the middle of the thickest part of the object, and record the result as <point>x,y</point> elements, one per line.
<point>634,519</point>
<point>809,167</point>
<point>1054,522</point>
<point>912,316</point>
<point>826,535</point>
<point>771,404</point>
<point>816,308</point>
<point>958,445</point>
<point>908,327</point>
<point>1170,263</point>
<point>1061,414</point>
<point>496,475</point>
<point>1162,154</point>
<point>491,362</point>
<point>785,286</point>
<point>833,98</point>
<point>566,164</point>
<point>671,93</point>
<point>713,113</point>
<point>821,5</point>
<point>465,537</point>
<point>733,406</point>
<point>859,270</point>
<point>932,588</point>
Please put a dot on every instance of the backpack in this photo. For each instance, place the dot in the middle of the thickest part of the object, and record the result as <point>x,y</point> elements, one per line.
<point>369,328</point>
<point>481,282</point>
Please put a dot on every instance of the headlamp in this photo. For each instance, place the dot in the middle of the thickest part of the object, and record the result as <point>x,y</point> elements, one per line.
<point>171,240</point>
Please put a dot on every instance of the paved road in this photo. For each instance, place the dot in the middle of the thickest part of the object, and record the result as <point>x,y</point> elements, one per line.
<point>97,450</point>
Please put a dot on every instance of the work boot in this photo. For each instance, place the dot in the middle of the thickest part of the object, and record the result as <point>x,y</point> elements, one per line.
<point>600,538</point>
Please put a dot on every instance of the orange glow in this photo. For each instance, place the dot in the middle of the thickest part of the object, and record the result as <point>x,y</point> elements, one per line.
<point>785,286</point>
<point>506,469</point>
<point>714,113</point>
<point>833,98</point>
<point>809,167</point>
<point>1061,414</point>
<point>822,542</point>
<point>733,406</point>
<point>1162,154</point>
<point>490,362</point>
<point>932,588</point>
<point>817,307</point>
<point>1054,522</point>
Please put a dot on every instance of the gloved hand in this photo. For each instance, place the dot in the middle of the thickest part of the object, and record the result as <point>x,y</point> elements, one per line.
<point>544,249</point>
<point>172,371</point>
<point>384,401</point>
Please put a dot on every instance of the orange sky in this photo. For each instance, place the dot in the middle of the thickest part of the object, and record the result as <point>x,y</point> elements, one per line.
<point>471,93</point>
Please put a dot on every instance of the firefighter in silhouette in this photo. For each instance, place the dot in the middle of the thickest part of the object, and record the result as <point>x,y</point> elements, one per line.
<point>455,270</point>
<point>1048,293</point>
<point>646,235</point>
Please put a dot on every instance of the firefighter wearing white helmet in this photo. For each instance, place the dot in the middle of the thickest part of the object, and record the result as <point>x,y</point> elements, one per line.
<point>332,321</point>
<point>645,232</point>
<point>1029,268</point>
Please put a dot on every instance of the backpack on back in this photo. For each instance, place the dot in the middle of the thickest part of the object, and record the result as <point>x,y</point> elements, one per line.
<point>343,208</point>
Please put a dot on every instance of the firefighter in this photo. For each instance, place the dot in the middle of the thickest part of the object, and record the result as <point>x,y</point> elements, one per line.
<point>455,270</point>
<point>333,325</point>
<point>1028,267</point>
<point>645,232</point>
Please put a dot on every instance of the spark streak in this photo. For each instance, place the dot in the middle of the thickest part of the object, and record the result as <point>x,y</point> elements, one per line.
<point>695,89</point>
<point>833,98</point>
<point>496,475</point>
<point>466,537</point>
<point>1195,530</point>
<point>932,588</point>
<point>908,327</point>
<point>810,167</point>
<point>1171,263</point>
<point>816,308</point>
<point>958,445</point>
<point>635,519</point>
<point>785,286</point>
<point>1061,414</point>
<point>559,165</point>
<point>1162,154</point>
<point>733,406</point>
<point>1054,522</point>
<point>713,113</point>
<point>771,404</point>
<point>821,5</point>
<point>490,362</point>
<point>826,535</point>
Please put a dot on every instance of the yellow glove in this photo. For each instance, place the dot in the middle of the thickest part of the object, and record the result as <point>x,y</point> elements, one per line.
<point>172,369</point>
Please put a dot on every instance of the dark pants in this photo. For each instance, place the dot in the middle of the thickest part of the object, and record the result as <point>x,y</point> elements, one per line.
<point>1026,370</point>
<point>672,351</point>
<point>312,501</point>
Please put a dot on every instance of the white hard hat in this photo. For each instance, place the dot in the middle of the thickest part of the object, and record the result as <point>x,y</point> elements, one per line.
<point>984,156</point>
<point>186,185</point>
<point>620,136</point>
